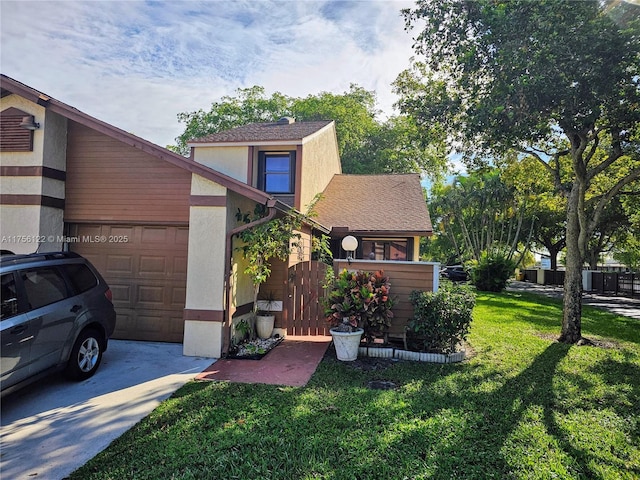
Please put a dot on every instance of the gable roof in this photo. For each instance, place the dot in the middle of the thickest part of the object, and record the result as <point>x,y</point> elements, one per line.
<point>375,204</point>
<point>280,133</point>
<point>10,86</point>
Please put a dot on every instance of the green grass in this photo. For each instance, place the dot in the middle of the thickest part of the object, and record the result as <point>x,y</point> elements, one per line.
<point>523,407</point>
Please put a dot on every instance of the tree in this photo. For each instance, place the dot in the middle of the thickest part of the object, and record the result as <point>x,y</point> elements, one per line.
<point>480,213</point>
<point>543,211</point>
<point>504,75</point>
<point>250,105</point>
<point>365,144</point>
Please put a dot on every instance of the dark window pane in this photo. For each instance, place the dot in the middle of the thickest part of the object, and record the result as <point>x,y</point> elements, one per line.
<point>82,279</point>
<point>43,287</point>
<point>9,296</point>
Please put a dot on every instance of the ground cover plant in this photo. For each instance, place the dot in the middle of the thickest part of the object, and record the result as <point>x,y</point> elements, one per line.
<point>522,407</point>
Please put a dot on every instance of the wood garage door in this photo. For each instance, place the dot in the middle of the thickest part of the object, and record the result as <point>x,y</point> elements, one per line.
<point>146,268</point>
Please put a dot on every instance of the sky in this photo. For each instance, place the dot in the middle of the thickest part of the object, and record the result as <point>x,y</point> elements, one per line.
<point>137,64</point>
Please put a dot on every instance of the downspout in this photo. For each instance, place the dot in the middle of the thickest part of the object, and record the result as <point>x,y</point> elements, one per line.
<point>226,324</point>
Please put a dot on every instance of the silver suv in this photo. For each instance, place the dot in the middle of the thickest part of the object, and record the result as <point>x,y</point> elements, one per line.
<point>56,314</point>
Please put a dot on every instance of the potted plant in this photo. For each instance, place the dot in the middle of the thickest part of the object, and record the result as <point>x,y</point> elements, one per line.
<point>357,303</point>
<point>265,318</point>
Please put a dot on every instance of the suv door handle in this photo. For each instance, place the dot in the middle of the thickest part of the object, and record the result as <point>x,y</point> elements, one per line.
<point>76,308</point>
<point>18,330</point>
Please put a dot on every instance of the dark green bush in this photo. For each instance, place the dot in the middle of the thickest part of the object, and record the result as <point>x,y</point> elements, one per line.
<point>492,272</point>
<point>441,319</point>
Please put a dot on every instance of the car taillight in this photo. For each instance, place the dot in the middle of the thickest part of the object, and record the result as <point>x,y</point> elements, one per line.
<point>109,295</point>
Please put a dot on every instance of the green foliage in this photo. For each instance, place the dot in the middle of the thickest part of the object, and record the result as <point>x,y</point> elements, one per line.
<point>478,212</point>
<point>551,79</point>
<point>365,144</point>
<point>491,272</point>
<point>265,241</point>
<point>360,300</point>
<point>441,320</point>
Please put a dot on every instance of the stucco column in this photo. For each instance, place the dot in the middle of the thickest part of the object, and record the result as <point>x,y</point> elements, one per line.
<point>204,306</point>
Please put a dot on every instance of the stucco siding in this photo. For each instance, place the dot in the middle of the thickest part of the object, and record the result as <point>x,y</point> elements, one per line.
<point>20,228</point>
<point>205,271</point>
<point>232,161</point>
<point>320,161</point>
<point>23,159</point>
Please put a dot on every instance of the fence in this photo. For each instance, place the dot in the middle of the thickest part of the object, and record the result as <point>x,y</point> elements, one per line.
<point>605,283</point>
<point>612,283</point>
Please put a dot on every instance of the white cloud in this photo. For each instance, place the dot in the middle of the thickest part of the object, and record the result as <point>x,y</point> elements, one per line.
<point>138,64</point>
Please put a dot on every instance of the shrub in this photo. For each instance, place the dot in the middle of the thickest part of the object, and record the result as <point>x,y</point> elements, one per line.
<point>362,298</point>
<point>492,272</point>
<point>441,319</point>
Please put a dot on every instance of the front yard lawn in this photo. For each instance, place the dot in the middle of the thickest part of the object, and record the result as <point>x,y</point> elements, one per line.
<point>522,407</point>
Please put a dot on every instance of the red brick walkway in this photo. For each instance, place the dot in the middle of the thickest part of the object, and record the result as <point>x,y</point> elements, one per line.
<point>291,363</point>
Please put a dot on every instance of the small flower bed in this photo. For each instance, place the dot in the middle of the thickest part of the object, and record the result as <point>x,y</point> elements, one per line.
<point>254,349</point>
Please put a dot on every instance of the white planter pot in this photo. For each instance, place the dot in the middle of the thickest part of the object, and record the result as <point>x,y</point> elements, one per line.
<point>264,325</point>
<point>347,344</point>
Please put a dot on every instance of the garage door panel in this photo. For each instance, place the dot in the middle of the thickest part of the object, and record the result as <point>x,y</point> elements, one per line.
<point>147,275</point>
<point>178,296</point>
<point>155,235</point>
<point>181,236</point>
<point>153,265</point>
<point>180,267</point>
<point>119,265</point>
<point>122,294</point>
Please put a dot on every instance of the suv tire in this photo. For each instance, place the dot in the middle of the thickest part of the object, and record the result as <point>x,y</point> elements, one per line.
<point>86,355</point>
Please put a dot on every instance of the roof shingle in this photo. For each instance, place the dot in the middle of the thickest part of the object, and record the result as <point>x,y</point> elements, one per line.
<point>265,132</point>
<point>375,203</point>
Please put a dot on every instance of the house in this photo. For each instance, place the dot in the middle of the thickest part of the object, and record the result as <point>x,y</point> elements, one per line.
<point>386,213</point>
<point>162,228</point>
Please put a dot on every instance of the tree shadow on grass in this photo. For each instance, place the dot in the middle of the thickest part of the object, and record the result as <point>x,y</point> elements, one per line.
<point>477,450</point>
<point>546,314</point>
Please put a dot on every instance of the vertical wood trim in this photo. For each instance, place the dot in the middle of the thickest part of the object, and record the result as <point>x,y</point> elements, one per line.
<point>298,184</point>
<point>250,163</point>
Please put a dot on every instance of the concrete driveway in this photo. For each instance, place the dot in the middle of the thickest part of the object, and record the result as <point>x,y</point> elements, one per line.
<point>52,427</point>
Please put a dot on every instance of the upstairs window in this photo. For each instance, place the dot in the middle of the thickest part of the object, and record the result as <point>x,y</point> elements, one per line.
<point>276,172</point>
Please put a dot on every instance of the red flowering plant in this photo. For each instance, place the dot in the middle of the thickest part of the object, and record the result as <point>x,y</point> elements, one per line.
<point>360,300</point>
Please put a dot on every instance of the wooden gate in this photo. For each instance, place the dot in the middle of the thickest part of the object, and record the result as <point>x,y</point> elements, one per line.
<point>304,312</point>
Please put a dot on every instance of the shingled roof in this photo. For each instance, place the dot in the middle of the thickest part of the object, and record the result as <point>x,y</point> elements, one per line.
<point>375,204</point>
<point>264,132</point>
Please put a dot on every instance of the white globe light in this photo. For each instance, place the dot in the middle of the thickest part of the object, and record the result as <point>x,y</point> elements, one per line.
<point>349,243</point>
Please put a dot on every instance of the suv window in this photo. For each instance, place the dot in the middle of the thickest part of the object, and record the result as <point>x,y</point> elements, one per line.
<point>43,286</point>
<point>9,296</point>
<point>81,278</point>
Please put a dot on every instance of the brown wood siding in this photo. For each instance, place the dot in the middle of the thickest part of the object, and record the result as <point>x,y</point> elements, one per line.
<point>109,181</point>
<point>276,286</point>
<point>404,278</point>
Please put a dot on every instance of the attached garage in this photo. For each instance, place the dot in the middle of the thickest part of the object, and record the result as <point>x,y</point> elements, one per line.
<point>146,268</point>
<point>128,213</point>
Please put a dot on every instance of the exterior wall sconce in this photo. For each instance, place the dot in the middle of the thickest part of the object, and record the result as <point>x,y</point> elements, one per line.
<point>29,123</point>
<point>349,245</point>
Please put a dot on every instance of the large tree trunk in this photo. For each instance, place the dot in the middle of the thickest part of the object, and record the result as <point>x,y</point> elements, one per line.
<point>572,313</point>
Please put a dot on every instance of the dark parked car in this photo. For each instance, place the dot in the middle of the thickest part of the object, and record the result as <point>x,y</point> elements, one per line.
<point>56,314</point>
<point>455,273</point>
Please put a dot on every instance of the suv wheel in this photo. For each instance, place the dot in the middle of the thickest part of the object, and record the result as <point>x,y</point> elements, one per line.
<point>85,355</point>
